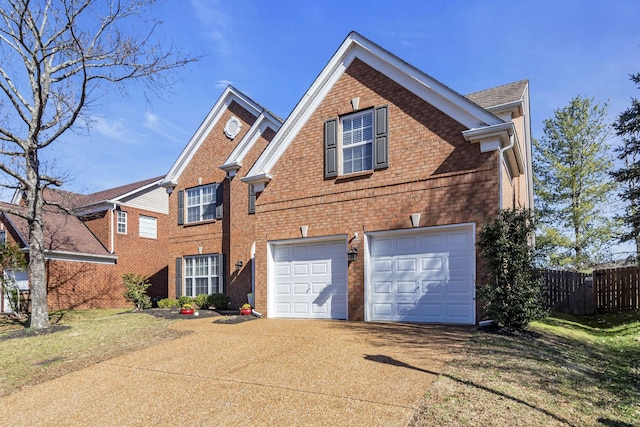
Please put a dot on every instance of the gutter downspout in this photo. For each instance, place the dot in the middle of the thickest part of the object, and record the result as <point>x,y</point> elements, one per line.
<point>111,229</point>
<point>501,160</point>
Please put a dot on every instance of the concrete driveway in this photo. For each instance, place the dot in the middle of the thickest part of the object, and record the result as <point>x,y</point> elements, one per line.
<point>258,373</point>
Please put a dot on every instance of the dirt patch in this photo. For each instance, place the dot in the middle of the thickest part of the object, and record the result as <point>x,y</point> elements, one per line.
<point>24,333</point>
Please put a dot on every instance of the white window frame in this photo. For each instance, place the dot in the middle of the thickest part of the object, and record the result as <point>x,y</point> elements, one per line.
<point>203,199</point>
<point>121,219</point>
<point>149,229</point>
<point>209,272</point>
<point>362,141</point>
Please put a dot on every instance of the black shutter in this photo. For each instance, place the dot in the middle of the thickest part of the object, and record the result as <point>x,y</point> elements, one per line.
<point>222,270</point>
<point>252,199</point>
<point>381,141</point>
<point>331,148</point>
<point>219,200</point>
<point>181,207</point>
<point>178,277</point>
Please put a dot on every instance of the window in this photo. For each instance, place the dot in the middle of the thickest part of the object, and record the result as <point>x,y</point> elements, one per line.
<point>357,142</point>
<point>122,222</point>
<point>3,237</point>
<point>203,275</point>
<point>201,203</point>
<point>148,227</point>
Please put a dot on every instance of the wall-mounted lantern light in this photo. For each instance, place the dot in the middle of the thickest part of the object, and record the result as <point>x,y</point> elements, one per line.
<point>238,265</point>
<point>352,254</point>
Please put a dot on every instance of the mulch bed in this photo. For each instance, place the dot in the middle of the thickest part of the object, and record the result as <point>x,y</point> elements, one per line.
<point>226,316</point>
<point>33,332</point>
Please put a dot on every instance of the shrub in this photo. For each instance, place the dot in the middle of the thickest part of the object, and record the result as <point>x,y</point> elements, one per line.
<point>168,303</point>
<point>202,301</point>
<point>219,301</point>
<point>136,290</point>
<point>184,300</point>
<point>512,294</point>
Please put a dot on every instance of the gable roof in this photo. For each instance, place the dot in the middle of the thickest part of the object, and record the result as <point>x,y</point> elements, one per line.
<point>71,200</point>
<point>65,236</point>
<point>461,109</point>
<point>229,95</point>
<point>511,96</point>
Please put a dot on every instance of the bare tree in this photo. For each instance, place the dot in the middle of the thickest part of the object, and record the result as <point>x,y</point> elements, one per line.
<point>57,56</point>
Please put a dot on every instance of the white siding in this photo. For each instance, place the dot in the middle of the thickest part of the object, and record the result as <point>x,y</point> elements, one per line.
<point>155,199</point>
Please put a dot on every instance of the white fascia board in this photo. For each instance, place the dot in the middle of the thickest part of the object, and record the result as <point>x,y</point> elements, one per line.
<point>262,123</point>
<point>229,95</point>
<point>80,257</point>
<point>355,46</point>
<point>13,226</point>
<point>96,207</point>
<point>17,196</point>
<point>515,108</point>
<point>76,256</point>
<point>137,190</point>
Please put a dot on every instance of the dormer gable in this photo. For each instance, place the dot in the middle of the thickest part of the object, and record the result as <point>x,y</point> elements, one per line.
<point>356,47</point>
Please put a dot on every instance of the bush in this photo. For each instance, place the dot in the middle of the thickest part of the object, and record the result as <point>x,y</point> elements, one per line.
<point>512,294</point>
<point>184,300</point>
<point>202,301</point>
<point>136,290</point>
<point>168,303</point>
<point>219,301</point>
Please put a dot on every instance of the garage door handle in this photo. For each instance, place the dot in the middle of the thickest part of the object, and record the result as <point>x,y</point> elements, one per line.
<point>308,288</point>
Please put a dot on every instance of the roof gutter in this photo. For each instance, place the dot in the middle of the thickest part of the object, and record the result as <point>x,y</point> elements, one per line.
<point>76,256</point>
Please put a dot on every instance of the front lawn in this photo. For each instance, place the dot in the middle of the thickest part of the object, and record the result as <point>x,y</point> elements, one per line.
<point>565,371</point>
<point>79,339</point>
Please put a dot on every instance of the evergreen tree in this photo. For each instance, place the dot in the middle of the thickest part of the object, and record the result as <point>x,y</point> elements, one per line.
<point>512,294</point>
<point>628,127</point>
<point>572,165</point>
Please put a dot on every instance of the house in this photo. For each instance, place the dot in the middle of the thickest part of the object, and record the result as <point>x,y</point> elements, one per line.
<point>92,240</point>
<point>364,204</point>
<point>212,227</point>
<point>371,195</point>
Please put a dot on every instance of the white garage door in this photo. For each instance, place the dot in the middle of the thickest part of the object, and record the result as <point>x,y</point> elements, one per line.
<point>310,280</point>
<point>426,276</point>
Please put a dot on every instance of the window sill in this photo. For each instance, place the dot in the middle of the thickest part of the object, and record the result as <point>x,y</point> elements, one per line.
<point>354,176</point>
<point>191,224</point>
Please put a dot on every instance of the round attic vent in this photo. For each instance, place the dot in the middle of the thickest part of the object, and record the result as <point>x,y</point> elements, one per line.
<point>232,127</point>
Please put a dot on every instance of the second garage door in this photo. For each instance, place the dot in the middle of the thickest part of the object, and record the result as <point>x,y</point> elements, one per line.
<point>422,276</point>
<point>310,280</point>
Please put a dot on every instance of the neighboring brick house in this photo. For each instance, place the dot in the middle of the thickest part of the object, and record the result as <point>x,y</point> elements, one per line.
<point>212,232</point>
<point>112,232</point>
<point>382,164</point>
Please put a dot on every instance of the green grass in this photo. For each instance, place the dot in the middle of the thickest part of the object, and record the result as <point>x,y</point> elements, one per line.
<point>567,371</point>
<point>92,336</point>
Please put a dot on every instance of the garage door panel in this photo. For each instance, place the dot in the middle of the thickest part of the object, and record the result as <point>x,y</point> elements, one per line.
<point>283,270</point>
<point>283,288</point>
<point>383,266</point>
<point>310,280</point>
<point>431,288</point>
<point>432,263</point>
<point>382,287</point>
<point>407,287</point>
<point>462,288</point>
<point>431,243</point>
<point>427,276</point>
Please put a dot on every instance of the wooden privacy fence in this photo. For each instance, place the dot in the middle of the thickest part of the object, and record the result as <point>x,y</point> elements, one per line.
<point>604,290</point>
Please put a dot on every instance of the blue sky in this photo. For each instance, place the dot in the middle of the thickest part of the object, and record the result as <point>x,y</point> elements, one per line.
<point>273,50</point>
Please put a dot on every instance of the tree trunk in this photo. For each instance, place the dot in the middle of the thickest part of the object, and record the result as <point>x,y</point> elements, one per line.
<point>37,276</point>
